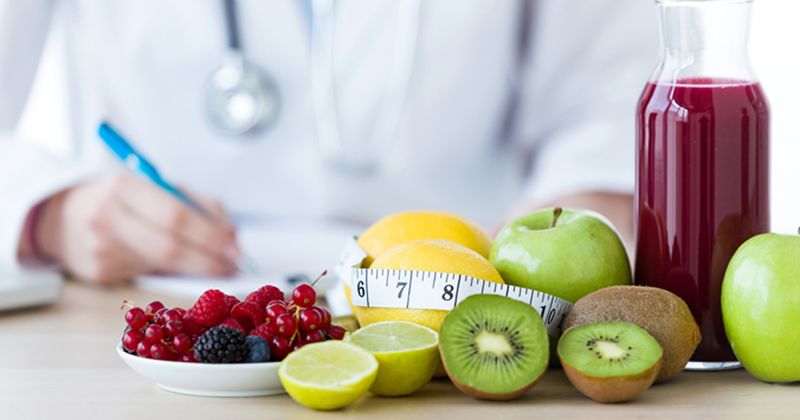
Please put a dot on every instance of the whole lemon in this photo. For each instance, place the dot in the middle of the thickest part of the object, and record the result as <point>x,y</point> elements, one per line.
<point>437,255</point>
<point>407,226</point>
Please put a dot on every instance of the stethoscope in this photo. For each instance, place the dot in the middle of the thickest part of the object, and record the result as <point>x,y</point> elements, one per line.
<point>243,99</point>
<point>240,98</point>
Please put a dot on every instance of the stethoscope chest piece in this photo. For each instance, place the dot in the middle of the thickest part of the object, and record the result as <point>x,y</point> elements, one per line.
<point>240,99</point>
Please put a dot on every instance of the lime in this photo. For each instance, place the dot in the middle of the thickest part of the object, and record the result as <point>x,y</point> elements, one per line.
<point>328,375</point>
<point>407,354</point>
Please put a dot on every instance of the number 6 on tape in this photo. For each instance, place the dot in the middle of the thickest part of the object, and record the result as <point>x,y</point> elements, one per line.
<point>381,288</point>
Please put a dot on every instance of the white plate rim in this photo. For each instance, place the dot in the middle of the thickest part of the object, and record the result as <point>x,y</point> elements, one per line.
<point>194,365</point>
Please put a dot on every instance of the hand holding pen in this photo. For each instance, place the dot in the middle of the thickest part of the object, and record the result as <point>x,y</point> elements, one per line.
<point>125,225</point>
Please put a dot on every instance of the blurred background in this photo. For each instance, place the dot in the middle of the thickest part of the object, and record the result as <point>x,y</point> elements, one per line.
<point>774,29</point>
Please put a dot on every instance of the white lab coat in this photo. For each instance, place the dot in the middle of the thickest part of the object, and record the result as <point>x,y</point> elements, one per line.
<point>461,145</point>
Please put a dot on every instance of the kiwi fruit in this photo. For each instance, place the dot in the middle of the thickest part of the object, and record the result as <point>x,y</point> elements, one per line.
<point>661,313</point>
<point>494,347</point>
<point>610,361</point>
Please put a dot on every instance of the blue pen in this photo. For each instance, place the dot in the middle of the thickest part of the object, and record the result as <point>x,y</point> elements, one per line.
<point>137,163</point>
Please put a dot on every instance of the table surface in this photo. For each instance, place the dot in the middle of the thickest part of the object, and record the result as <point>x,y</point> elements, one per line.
<point>59,362</point>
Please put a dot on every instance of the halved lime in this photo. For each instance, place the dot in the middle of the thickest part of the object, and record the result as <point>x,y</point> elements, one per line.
<point>328,375</point>
<point>407,354</point>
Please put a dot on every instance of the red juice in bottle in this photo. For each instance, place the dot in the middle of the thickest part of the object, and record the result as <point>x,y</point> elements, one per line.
<point>702,190</point>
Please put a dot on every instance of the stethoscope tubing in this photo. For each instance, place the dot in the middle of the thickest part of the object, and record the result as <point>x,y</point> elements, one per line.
<point>320,15</point>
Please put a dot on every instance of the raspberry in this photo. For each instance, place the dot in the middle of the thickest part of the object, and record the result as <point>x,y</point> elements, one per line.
<point>191,327</point>
<point>230,301</point>
<point>249,314</point>
<point>265,295</point>
<point>265,331</point>
<point>210,308</point>
<point>232,323</point>
<point>221,345</point>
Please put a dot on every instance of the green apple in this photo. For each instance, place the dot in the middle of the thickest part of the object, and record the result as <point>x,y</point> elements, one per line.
<point>567,253</point>
<point>761,306</point>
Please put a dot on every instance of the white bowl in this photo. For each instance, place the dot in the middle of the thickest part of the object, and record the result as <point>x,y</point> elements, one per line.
<point>208,380</point>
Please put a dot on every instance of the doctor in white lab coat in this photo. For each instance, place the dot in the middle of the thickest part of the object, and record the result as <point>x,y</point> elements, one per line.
<point>508,104</point>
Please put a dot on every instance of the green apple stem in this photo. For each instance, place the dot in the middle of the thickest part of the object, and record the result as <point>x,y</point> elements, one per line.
<point>556,214</point>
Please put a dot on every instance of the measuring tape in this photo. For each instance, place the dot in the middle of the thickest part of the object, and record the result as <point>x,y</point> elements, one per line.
<point>410,289</point>
<point>414,289</point>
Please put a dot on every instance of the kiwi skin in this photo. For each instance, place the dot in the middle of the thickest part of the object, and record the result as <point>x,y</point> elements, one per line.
<point>661,313</point>
<point>481,395</point>
<point>612,390</point>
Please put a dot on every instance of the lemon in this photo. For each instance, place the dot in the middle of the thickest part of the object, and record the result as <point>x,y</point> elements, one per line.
<point>328,375</point>
<point>399,228</point>
<point>437,255</point>
<point>407,226</point>
<point>407,355</point>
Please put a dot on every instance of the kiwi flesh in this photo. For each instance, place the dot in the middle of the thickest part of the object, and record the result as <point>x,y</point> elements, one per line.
<point>660,312</point>
<point>610,361</point>
<point>494,347</point>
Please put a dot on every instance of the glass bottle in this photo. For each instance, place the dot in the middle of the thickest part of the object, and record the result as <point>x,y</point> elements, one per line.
<point>702,185</point>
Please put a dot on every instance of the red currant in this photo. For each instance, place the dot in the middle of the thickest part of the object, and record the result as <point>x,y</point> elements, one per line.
<point>158,317</point>
<point>286,325</point>
<point>173,328</point>
<point>136,318</point>
<point>188,357</point>
<point>143,349</point>
<point>153,334</point>
<point>182,343</point>
<point>326,317</point>
<point>154,306</point>
<point>159,351</point>
<point>336,332</point>
<point>279,348</point>
<point>172,315</point>
<point>274,309</point>
<point>314,337</point>
<point>304,296</point>
<point>131,339</point>
<point>310,320</point>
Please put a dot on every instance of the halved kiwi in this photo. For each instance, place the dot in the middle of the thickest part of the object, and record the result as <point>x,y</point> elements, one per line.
<point>610,361</point>
<point>661,313</point>
<point>494,347</point>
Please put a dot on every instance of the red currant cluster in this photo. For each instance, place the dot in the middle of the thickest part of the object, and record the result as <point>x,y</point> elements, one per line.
<point>285,325</point>
<point>161,333</point>
<point>290,325</point>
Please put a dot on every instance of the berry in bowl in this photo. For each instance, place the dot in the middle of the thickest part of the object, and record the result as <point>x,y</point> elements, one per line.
<point>222,346</point>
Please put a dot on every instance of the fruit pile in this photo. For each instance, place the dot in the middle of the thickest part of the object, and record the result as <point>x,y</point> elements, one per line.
<point>619,338</point>
<point>219,328</point>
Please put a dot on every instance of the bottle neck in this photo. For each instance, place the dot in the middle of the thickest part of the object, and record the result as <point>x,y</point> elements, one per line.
<point>704,39</point>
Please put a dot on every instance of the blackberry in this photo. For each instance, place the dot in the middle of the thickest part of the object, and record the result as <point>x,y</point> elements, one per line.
<point>258,350</point>
<point>221,345</point>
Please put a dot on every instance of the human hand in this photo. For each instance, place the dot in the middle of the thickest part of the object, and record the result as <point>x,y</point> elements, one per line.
<point>121,226</point>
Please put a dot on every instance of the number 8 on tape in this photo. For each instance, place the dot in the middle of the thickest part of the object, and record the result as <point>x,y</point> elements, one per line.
<point>409,289</point>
